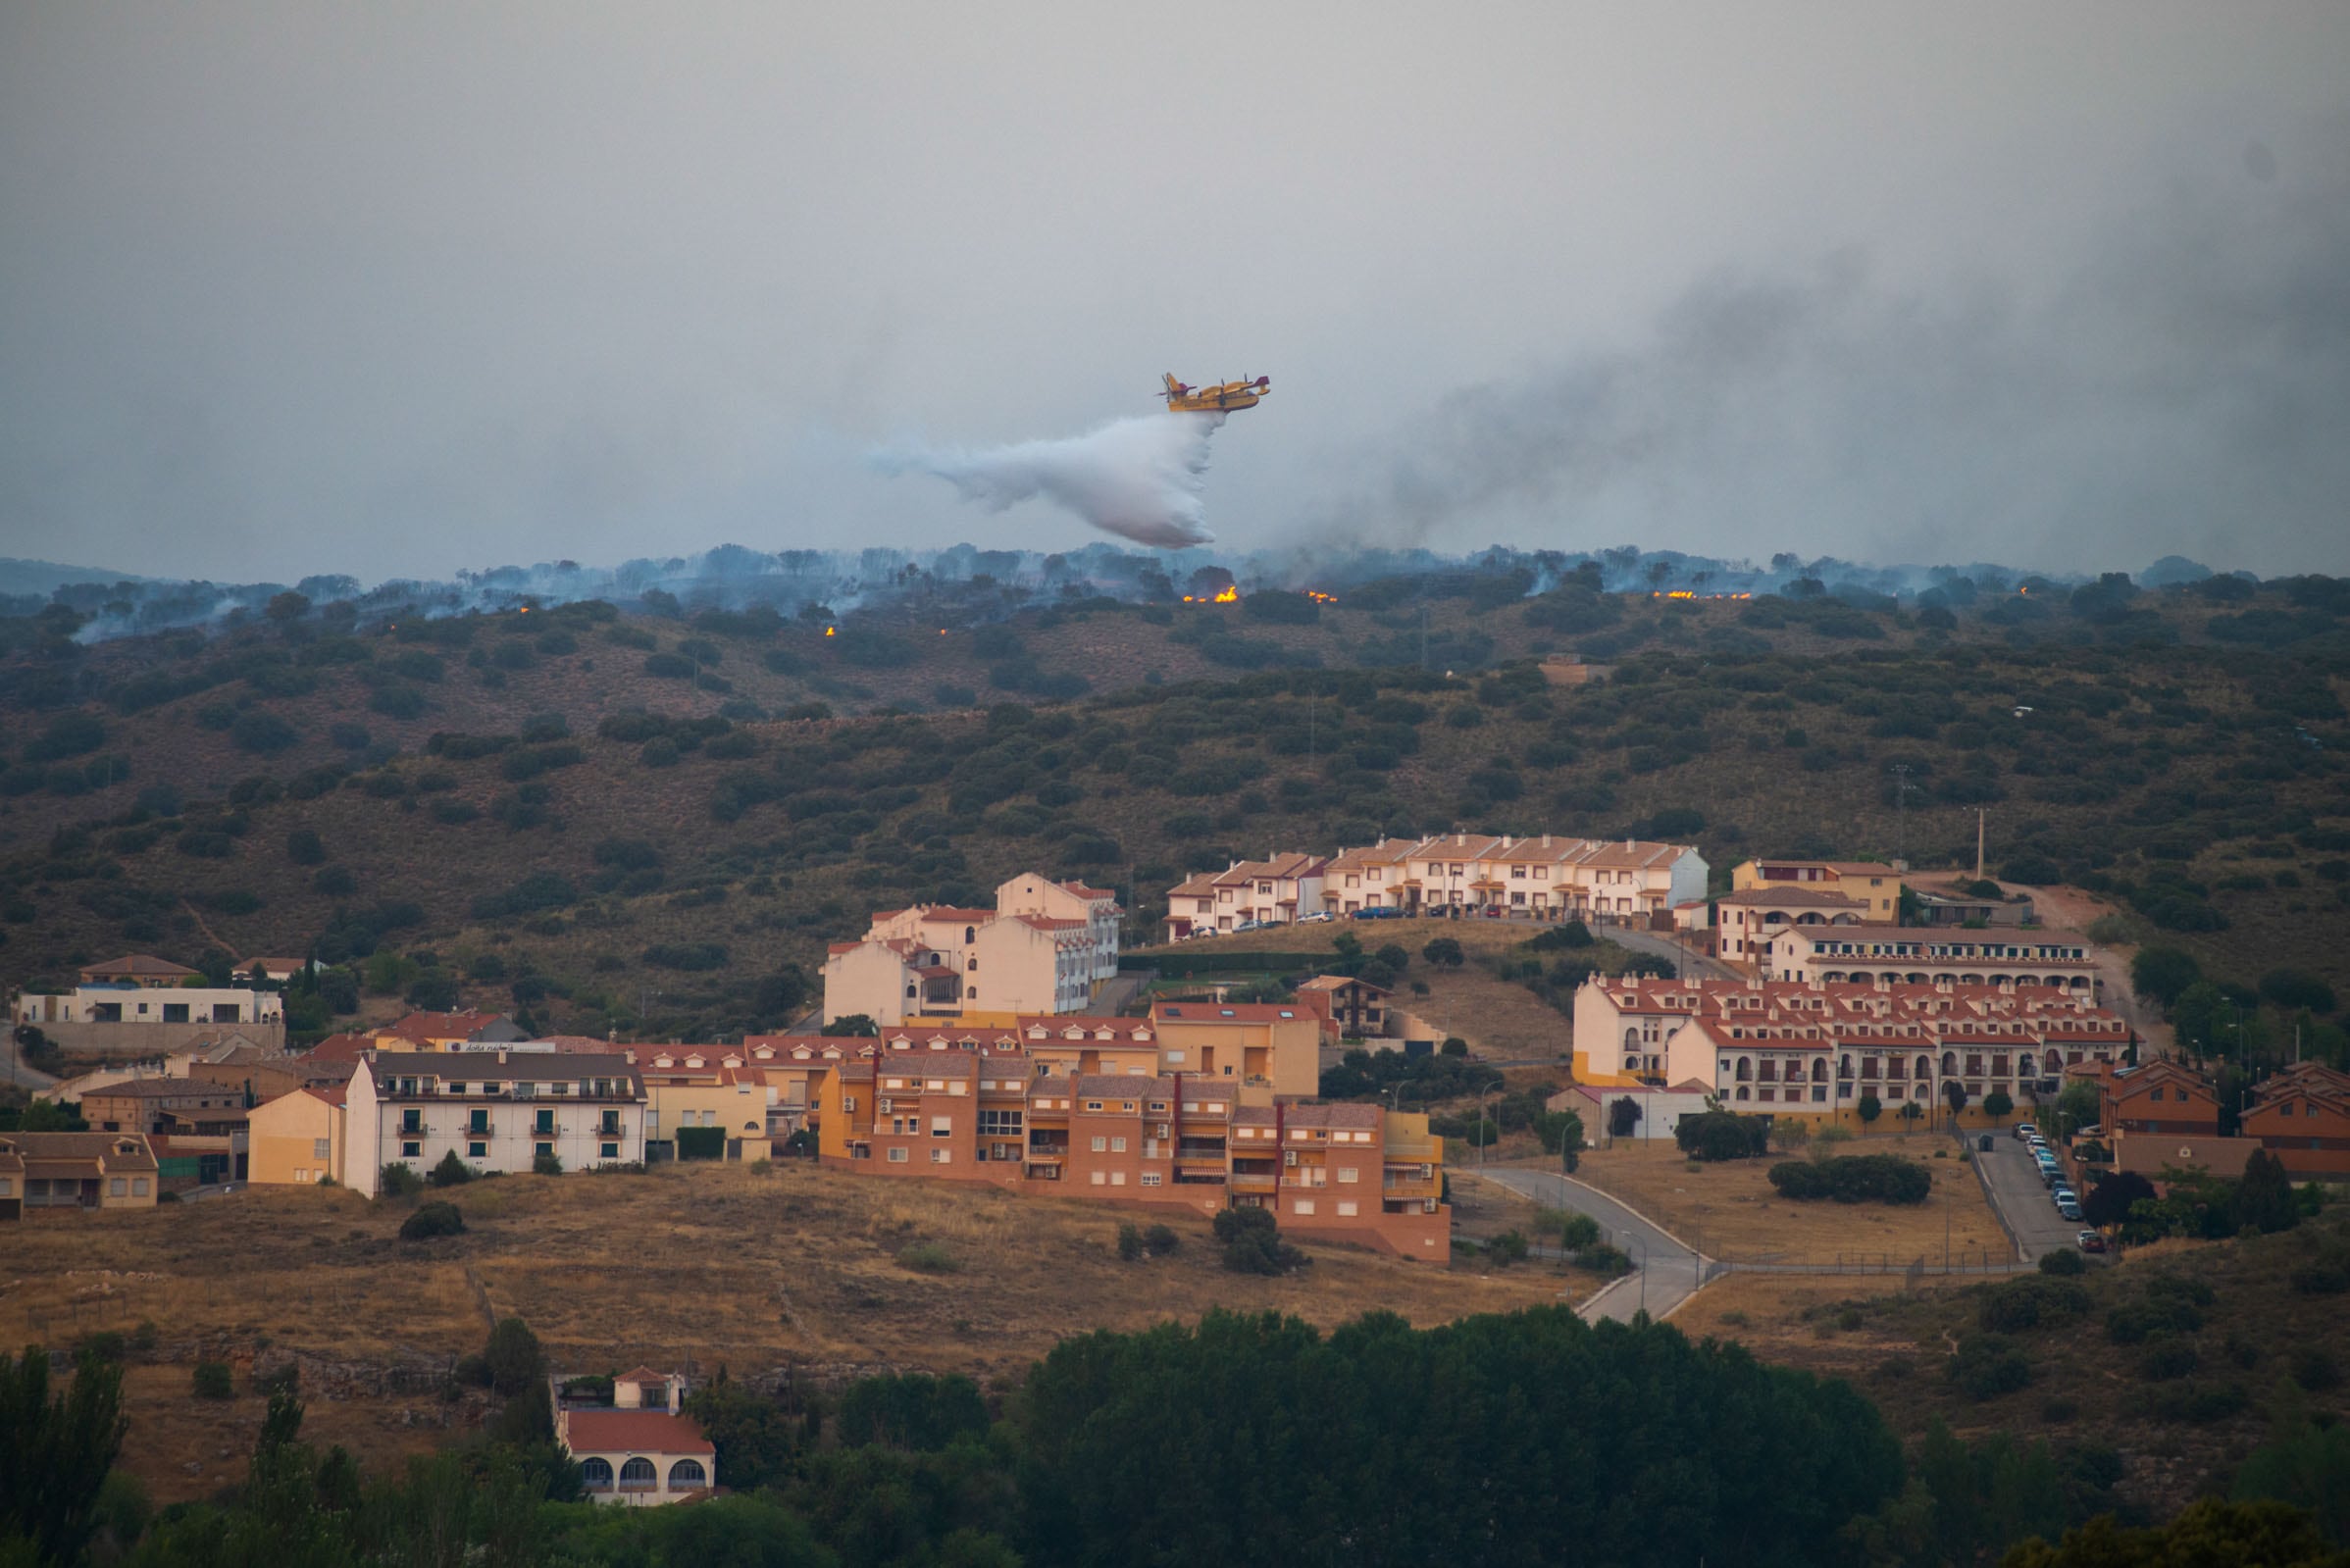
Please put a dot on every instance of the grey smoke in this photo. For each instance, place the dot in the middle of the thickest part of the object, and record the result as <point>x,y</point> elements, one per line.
<point>2187,389</point>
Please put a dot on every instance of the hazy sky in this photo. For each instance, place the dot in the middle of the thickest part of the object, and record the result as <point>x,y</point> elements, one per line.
<point>408,289</point>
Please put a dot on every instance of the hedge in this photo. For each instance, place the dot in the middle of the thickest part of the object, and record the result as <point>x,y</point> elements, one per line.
<point>1854,1178</point>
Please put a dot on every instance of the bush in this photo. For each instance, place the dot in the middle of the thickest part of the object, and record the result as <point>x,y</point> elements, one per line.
<point>2137,1322</point>
<point>2032,1302</point>
<point>1987,1366</point>
<point>546,1165</point>
<point>2168,1360</point>
<point>399,1180</point>
<point>2065,1262</point>
<point>304,847</point>
<point>1130,1242</point>
<point>1160,1240</point>
<point>1723,1135</point>
<point>1853,1179</point>
<point>430,1220</point>
<point>1253,1243</point>
<point>214,1382</point>
<point>1506,1248</point>
<point>1603,1258</point>
<point>2315,1370</point>
<point>2323,1277</point>
<point>929,1257</point>
<point>472,1372</point>
<point>450,1172</point>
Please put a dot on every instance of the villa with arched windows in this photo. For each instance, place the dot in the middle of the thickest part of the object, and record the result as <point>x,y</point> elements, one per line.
<point>642,1451</point>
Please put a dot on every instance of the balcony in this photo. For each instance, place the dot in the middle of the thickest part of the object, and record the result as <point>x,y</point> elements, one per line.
<point>1254,1181</point>
<point>1414,1150</point>
<point>1188,1152</point>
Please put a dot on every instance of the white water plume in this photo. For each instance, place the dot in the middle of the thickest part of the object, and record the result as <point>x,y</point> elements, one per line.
<point>1139,479</point>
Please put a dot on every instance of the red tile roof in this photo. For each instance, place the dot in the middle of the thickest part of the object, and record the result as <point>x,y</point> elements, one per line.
<point>634,1432</point>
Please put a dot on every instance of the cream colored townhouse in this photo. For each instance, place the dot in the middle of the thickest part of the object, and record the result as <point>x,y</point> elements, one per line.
<point>494,1110</point>
<point>936,962</point>
<point>1920,955</point>
<point>1748,918</point>
<point>1280,890</point>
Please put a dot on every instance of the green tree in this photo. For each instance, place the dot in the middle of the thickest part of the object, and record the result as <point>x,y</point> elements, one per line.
<point>1868,1108</point>
<point>515,1357</point>
<point>1444,952</point>
<point>1997,1104</point>
<point>2263,1195</point>
<point>1954,1093</point>
<point>2308,1467</point>
<point>853,1024</point>
<point>60,1446</point>
<point>2209,1533</point>
<point>2161,973</point>
<point>2077,1106</point>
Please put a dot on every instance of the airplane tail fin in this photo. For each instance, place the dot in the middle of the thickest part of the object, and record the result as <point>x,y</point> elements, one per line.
<point>1173,385</point>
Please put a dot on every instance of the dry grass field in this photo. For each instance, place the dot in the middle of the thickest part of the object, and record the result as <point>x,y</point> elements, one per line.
<point>699,1266</point>
<point>1731,1210</point>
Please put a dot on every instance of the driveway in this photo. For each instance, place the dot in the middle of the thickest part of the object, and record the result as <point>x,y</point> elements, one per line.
<point>1691,965</point>
<point>1664,1271</point>
<point>2013,1180</point>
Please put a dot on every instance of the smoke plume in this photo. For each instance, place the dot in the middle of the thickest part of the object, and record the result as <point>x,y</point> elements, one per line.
<point>1139,479</point>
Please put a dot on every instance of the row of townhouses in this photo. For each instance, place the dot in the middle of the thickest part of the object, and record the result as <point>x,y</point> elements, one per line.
<point>1544,878</point>
<point>2163,1114</point>
<point>1815,1049</point>
<point>1045,947</point>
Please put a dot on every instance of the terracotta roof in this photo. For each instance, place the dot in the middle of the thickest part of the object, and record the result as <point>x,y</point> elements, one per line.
<point>1083,891</point>
<point>1337,983</point>
<point>141,964</point>
<point>634,1432</point>
<point>1133,1086</point>
<point>1336,1114</point>
<point>53,1148</point>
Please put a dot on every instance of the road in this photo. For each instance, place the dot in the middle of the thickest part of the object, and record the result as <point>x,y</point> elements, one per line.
<point>2016,1192</point>
<point>1666,1272</point>
<point>13,1068</point>
<point>1689,965</point>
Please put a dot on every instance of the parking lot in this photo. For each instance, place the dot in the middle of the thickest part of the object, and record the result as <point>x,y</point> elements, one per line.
<point>2023,1201</point>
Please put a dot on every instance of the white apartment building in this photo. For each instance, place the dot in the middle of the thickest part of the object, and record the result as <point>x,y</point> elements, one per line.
<point>1930,955</point>
<point>1548,876</point>
<point>494,1110</point>
<point>128,1004</point>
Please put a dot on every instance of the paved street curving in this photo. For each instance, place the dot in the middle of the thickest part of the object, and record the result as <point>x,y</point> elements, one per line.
<point>1666,1272</point>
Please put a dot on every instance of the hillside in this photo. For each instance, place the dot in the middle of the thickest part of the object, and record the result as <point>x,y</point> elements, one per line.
<point>630,821</point>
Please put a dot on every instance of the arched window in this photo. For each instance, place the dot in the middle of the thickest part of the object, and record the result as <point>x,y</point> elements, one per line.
<point>1742,1092</point>
<point>1844,1069</point>
<point>1746,1073</point>
<point>1925,1069</point>
<point>1820,1070</point>
<point>596,1475</point>
<point>2023,1066</point>
<point>1631,1040</point>
<point>637,1474</point>
<point>970,933</point>
<point>1950,1064</point>
<point>687,1474</point>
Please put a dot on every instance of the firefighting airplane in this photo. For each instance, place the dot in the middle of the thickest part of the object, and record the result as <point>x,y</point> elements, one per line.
<point>1224,399</point>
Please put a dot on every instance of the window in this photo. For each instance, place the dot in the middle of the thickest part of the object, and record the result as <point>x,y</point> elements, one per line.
<point>596,1474</point>
<point>1093,1106</point>
<point>942,1156</point>
<point>1346,1209</point>
<point>543,1149</point>
<point>637,1474</point>
<point>1117,1178</point>
<point>1101,1179</point>
<point>477,1150</point>
<point>1303,1205</point>
<point>412,1151</point>
<point>118,1186</point>
<point>1117,1146</point>
<point>686,1475</point>
<point>1346,1175</point>
<point>138,1185</point>
<point>609,1151</point>
<point>1100,1144</point>
<point>897,1157</point>
<point>321,1148</point>
<point>941,1126</point>
<point>1151,1179</point>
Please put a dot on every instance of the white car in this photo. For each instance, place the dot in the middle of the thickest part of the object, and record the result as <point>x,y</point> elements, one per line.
<point>1315,920</point>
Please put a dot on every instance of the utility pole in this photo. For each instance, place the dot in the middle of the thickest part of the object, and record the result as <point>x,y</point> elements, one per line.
<point>1901,810</point>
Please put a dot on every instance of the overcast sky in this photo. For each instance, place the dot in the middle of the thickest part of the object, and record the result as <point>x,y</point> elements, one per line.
<point>401,289</point>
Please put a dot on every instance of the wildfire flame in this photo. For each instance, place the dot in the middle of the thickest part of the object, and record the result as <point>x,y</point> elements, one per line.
<point>1228,596</point>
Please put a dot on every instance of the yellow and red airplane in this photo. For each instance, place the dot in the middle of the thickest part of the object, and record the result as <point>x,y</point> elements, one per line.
<point>1224,399</point>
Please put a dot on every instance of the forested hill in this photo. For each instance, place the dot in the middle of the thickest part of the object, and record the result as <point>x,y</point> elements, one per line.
<point>607,814</point>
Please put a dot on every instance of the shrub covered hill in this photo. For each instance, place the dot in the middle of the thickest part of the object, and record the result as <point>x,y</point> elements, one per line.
<point>600,811</point>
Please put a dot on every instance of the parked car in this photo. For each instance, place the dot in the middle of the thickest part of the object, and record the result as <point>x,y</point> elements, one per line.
<point>2069,1208</point>
<point>2025,1129</point>
<point>2091,1241</point>
<point>2062,1194</point>
<point>1316,918</point>
<point>1378,914</point>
